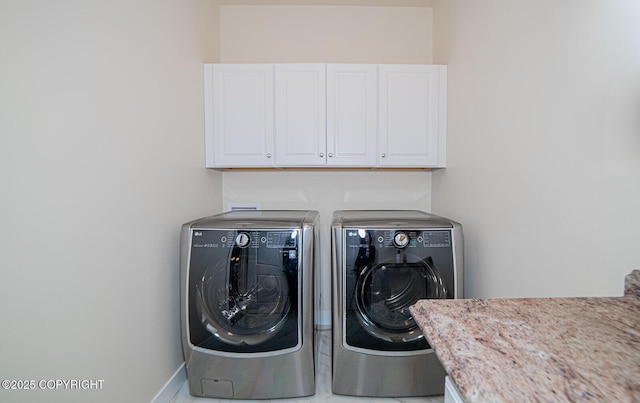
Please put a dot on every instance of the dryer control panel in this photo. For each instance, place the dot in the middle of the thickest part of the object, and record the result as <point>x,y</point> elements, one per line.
<point>403,238</point>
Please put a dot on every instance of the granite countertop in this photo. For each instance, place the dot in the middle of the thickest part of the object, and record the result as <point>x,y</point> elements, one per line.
<point>538,349</point>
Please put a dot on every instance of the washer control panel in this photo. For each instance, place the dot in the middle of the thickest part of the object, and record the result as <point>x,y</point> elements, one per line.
<point>276,239</point>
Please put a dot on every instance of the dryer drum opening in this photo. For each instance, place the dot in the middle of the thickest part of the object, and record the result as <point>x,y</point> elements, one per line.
<point>385,291</point>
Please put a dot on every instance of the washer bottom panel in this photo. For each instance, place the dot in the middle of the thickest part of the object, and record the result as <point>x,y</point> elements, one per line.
<point>280,376</point>
<point>360,374</point>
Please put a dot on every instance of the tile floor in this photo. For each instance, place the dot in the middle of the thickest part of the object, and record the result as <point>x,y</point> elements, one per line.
<point>323,386</point>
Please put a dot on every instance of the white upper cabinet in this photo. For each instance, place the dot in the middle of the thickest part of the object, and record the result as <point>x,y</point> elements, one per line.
<point>300,117</point>
<point>325,115</point>
<point>351,114</point>
<point>412,115</point>
<point>341,115</point>
<point>239,115</point>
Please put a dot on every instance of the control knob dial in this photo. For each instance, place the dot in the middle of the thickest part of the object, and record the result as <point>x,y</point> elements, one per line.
<point>243,239</point>
<point>400,239</point>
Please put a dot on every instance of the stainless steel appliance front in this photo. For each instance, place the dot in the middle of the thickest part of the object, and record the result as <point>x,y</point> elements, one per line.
<point>383,262</point>
<point>247,304</point>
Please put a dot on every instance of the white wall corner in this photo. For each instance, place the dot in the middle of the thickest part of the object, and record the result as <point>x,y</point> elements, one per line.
<point>173,385</point>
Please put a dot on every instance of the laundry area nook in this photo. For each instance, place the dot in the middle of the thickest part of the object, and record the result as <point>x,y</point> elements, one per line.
<point>288,130</point>
<point>319,201</point>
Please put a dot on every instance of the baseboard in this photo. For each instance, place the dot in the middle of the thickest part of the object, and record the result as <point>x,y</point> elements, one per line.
<point>172,386</point>
<point>169,390</point>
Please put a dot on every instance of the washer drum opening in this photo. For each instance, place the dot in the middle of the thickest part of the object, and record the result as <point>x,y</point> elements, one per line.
<point>242,303</point>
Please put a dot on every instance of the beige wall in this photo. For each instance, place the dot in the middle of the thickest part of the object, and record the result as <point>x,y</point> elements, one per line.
<point>543,143</point>
<point>101,157</point>
<point>101,161</point>
<point>325,34</point>
<point>339,34</point>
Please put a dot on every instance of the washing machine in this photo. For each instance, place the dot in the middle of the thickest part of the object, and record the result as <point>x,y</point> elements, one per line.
<point>247,304</point>
<point>383,261</point>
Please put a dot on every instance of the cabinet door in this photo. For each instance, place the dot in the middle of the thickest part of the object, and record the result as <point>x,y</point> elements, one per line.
<point>300,120</point>
<point>412,115</point>
<point>239,115</point>
<point>351,115</point>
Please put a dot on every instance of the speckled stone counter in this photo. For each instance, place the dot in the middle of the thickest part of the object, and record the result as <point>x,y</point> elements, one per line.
<point>632,284</point>
<point>538,349</point>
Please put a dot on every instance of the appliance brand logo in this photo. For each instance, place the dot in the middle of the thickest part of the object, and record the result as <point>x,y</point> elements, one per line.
<point>197,233</point>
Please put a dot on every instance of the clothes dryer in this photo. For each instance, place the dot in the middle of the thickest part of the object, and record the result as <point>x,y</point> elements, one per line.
<point>247,304</point>
<point>383,261</point>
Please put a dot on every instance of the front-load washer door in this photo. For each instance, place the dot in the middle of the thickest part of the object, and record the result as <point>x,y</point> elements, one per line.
<point>387,271</point>
<point>243,290</point>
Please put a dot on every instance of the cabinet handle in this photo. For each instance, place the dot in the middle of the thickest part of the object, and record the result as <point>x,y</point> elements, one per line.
<point>268,155</point>
<point>321,154</point>
<point>384,155</point>
<point>330,155</point>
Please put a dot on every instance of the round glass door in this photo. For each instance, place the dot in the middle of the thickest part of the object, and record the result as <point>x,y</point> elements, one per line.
<point>385,291</point>
<point>242,300</point>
